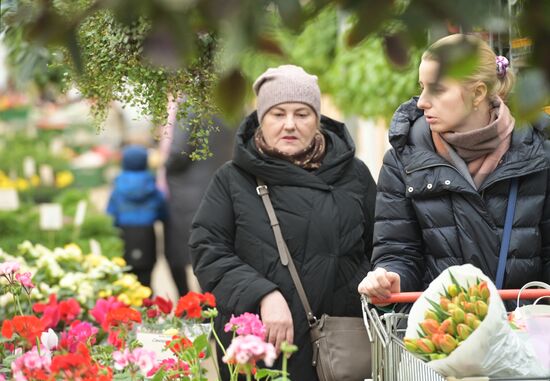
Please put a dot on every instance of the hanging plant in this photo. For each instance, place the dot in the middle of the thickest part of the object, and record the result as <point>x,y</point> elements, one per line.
<point>117,61</point>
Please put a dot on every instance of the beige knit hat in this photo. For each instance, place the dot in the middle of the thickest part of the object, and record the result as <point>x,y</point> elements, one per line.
<point>286,83</point>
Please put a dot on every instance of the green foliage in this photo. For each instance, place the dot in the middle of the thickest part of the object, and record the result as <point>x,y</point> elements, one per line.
<point>23,224</point>
<point>21,146</point>
<point>140,51</point>
<point>360,80</point>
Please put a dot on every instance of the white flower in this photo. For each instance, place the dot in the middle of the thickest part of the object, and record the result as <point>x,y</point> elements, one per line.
<point>49,339</point>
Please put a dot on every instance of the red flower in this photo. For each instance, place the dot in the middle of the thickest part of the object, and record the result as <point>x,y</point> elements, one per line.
<point>69,310</point>
<point>147,302</point>
<point>190,305</point>
<point>7,329</point>
<point>51,314</point>
<point>28,327</point>
<point>116,338</point>
<point>152,313</point>
<point>209,299</point>
<point>164,305</point>
<point>178,344</point>
<point>121,316</point>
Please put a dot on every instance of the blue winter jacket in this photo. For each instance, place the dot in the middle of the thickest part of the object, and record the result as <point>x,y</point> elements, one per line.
<point>135,200</point>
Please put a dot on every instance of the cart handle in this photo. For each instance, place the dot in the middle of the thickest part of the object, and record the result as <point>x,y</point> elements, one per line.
<point>510,294</point>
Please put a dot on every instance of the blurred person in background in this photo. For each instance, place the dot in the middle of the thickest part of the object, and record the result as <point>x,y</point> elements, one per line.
<point>184,182</point>
<point>444,186</point>
<point>136,204</point>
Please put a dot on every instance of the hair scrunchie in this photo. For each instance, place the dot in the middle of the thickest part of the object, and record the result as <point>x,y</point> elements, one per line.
<point>502,66</point>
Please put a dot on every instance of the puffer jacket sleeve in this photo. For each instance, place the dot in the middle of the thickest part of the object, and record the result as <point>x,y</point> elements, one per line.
<point>237,286</point>
<point>545,228</point>
<point>397,236</point>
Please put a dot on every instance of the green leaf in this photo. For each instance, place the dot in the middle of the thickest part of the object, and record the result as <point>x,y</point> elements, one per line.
<point>201,342</point>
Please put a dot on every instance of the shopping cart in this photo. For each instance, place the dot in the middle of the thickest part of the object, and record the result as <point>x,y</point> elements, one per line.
<point>391,361</point>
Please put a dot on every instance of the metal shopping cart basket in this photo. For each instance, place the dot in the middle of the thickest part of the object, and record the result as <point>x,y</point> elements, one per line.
<point>391,361</point>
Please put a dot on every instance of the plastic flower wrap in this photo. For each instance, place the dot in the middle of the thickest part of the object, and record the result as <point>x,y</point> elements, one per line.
<point>451,320</point>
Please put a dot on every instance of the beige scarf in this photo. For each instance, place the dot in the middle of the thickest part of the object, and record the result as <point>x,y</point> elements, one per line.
<point>482,148</point>
<point>310,157</point>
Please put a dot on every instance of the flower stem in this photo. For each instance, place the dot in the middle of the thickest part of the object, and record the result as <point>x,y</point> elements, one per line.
<point>216,336</point>
<point>18,304</point>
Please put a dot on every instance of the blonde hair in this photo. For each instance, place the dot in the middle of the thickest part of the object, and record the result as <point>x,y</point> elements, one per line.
<point>486,70</point>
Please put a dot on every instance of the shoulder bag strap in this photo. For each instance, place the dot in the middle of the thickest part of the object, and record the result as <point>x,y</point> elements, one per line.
<point>510,211</point>
<point>284,254</point>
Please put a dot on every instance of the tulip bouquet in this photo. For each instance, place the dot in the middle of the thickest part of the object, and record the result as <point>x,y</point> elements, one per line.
<point>459,324</point>
<point>450,321</point>
<point>59,339</point>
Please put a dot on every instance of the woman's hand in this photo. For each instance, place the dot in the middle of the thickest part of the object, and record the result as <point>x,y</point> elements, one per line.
<point>277,319</point>
<point>380,284</point>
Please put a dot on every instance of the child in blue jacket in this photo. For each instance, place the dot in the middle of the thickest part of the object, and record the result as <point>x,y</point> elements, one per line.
<point>135,205</point>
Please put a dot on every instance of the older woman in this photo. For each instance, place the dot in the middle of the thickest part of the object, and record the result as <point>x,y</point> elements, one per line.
<point>323,197</point>
<point>445,185</point>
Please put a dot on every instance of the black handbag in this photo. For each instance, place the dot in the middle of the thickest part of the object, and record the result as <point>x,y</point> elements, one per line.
<point>341,346</point>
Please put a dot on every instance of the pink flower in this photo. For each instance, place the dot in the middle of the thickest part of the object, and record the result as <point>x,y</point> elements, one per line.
<point>25,279</point>
<point>144,359</point>
<point>10,267</point>
<point>246,324</point>
<point>102,308</point>
<point>248,350</point>
<point>30,360</point>
<point>80,332</point>
<point>121,359</point>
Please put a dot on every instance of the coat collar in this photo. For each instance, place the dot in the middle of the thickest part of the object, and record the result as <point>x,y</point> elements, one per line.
<point>411,138</point>
<point>340,153</point>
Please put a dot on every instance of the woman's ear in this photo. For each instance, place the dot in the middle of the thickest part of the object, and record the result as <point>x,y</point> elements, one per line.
<point>480,93</point>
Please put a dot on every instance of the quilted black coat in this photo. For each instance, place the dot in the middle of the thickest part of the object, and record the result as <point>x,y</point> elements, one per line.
<point>326,218</point>
<point>429,217</point>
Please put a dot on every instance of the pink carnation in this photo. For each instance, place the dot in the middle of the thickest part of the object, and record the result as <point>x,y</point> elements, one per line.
<point>248,350</point>
<point>246,324</point>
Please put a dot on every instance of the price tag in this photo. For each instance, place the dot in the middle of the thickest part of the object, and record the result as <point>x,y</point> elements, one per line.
<point>29,166</point>
<point>46,175</point>
<point>9,199</point>
<point>51,217</point>
<point>156,342</point>
<point>80,213</point>
<point>95,247</point>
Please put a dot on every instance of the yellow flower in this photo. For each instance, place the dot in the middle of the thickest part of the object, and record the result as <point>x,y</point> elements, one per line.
<point>6,183</point>
<point>143,292</point>
<point>104,293</point>
<point>127,281</point>
<point>119,261</point>
<point>35,180</point>
<point>63,179</point>
<point>93,260</point>
<point>21,184</point>
<point>73,247</point>
<point>124,299</point>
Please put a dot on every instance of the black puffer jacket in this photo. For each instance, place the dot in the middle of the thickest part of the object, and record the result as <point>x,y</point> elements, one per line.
<point>326,217</point>
<point>428,217</point>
